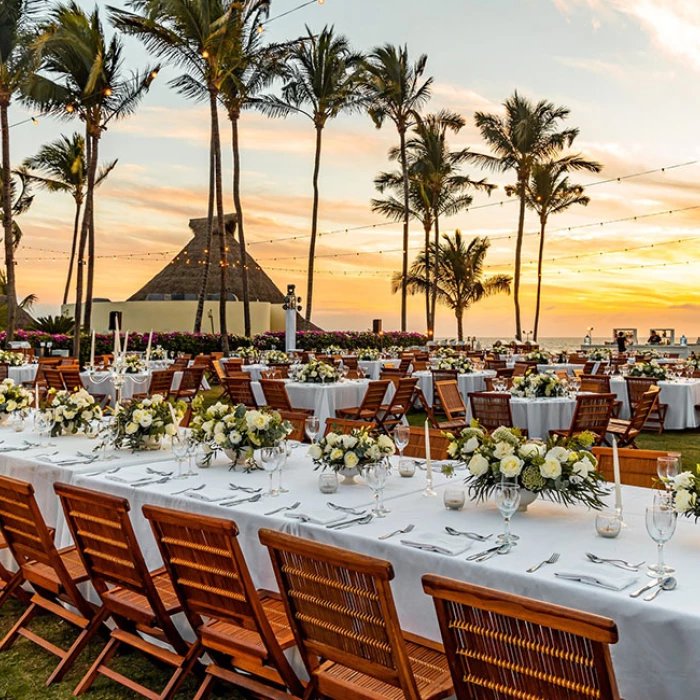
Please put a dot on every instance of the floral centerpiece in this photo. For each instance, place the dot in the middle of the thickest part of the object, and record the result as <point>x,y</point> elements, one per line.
<point>651,354</point>
<point>277,357</point>
<point>14,359</point>
<point>246,352</point>
<point>394,351</point>
<point>159,353</point>
<point>685,488</point>
<point>333,350</point>
<point>235,429</point>
<point>134,365</point>
<point>316,372</point>
<point>538,386</point>
<point>143,424</point>
<point>563,471</point>
<point>445,351</point>
<point>368,354</point>
<point>647,369</point>
<point>599,355</point>
<point>13,397</point>
<point>462,364</point>
<point>354,451</point>
<point>71,411</point>
<point>542,357</point>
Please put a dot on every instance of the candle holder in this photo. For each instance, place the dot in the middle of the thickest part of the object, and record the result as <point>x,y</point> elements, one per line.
<point>429,490</point>
<point>608,524</point>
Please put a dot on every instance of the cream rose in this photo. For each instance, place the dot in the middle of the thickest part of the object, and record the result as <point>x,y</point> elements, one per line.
<point>550,469</point>
<point>503,449</point>
<point>478,465</point>
<point>685,501</point>
<point>351,460</point>
<point>315,452</point>
<point>511,465</point>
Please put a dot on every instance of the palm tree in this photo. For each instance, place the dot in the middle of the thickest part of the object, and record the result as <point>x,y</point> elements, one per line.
<point>437,169</point>
<point>16,18</point>
<point>526,136</point>
<point>60,166</point>
<point>397,91</point>
<point>20,197</point>
<point>23,304</point>
<point>82,74</point>
<point>324,79</point>
<point>550,192</point>
<point>198,36</point>
<point>459,274</point>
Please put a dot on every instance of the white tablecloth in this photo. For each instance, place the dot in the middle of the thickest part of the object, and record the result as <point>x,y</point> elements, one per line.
<point>681,396</point>
<point>103,383</point>
<point>554,366</point>
<point>468,383</point>
<point>539,416</point>
<point>373,368</point>
<point>23,373</point>
<point>255,371</point>
<point>323,399</point>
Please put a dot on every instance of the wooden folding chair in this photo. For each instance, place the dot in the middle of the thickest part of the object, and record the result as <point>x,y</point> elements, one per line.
<point>349,361</point>
<point>501,645</point>
<point>627,431</point>
<point>54,575</point>
<point>239,390</point>
<point>520,369</point>
<point>73,382</point>
<point>599,384</point>
<point>401,403</point>
<point>489,383</point>
<point>371,403</point>
<point>4,370</point>
<point>281,369</point>
<point>591,413</point>
<point>439,443</point>
<point>140,602</point>
<point>244,630</point>
<point>347,425</point>
<point>637,467</point>
<point>190,384</point>
<point>636,388</point>
<point>441,375</point>
<point>276,396</point>
<point>160,383</point>
<point>491,410</point>
<point>54,379</point>
<point>452,405</point>
<point>343,616</point>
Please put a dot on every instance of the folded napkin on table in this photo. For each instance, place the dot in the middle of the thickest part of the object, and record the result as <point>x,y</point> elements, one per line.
<point>441,543</point>
<point>600,575</point>
<point>211,494</point>
<point>320,516</point>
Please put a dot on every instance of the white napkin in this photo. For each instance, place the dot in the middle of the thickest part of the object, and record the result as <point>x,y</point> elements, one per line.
<point>440,543</point>
<point>212,494</point>
<point>600,575</point>
<point>320,516</point>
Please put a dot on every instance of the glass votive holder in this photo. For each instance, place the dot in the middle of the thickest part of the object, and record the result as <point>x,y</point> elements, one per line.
<point>454,498</point>
<point>19,424</point>
<point>608,523</point>
<point>328,482</point>
<point>407,468</point>
<point>202,459</point>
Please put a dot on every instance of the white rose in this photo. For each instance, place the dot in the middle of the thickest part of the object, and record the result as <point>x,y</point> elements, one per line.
<point>131,428</point>
<point>349,441</point>
<point>332,439</point>
<point>386,444</point>
<point>336,454</point>
<point>561,454</point>
<point>315,452</point>
<point>685,501</point>
<point>582,468</point>
<point>235,437</point>
<point>170,429</point>
<point>11,406</point>
<point>684,480</point>
<point>478,465</point>
<point>530,449</point>
<point>503,449</point>
<point>351,460</point>
<point>470,445</point>
<point>86,415</point>
<point>511,465</point>
<point>261,421</point>
<point>68,414</point>
<point>146,421</point>
<point>551,469</point>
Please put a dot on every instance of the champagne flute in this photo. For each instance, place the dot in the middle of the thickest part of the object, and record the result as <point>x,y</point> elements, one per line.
<point>661,524</point>
<point>191,449</point>
<point>668,467</point>
<point>312,425</point>
<point>402,435</point>
<point>507,497</point>
<point>179,447</point>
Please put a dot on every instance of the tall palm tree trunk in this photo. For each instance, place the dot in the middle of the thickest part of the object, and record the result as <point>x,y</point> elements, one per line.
<point>7,222</point>
<point>87,318</point>
<point>433,290</point>
<point>239,220</point>
<point>314,225</point>
<point>73,248</point>
<point>543,225</point>
<point>207,246</point>
<point>221,224</point>
<point>91,149</point>
<point>518,256</point>
<point>427,228</point>
<point>459,313</point>
<point>404,173</point>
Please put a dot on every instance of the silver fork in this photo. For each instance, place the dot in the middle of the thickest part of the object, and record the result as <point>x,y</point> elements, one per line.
<point>245,489</point>
<point>150,470</point>
<point>109,471</point>
<point>471,535</point>
<point>346,509</point>
<point>294,506</point>
<point>406,530</point>
<point>552,560</point>
<point>191,488</point>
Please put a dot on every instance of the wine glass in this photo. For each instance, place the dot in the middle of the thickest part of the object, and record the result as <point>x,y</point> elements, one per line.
<point>191,450</point>
<point>44,422</point>
<point>376,475</point>
<point>507,497</point>
<point>180,449</point>
<point>283,463</point>
<point>402,434</point>
<point>271,459</point>
<point>668,467</point>
<point>312,425</point>
<point>661,524</point>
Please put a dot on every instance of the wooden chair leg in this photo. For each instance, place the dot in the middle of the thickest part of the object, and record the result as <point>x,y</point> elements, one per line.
<point>105,656</point>
<point>206,688</point>
<point>13,586</point>
<point>182,672</point>
<point>23,621</point>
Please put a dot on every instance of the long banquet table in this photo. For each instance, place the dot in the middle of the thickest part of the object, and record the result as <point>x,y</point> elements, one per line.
<point>653,659</point>
<point>468,383</point>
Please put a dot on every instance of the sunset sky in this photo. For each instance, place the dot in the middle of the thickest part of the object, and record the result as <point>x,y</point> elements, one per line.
<point>629,71</point>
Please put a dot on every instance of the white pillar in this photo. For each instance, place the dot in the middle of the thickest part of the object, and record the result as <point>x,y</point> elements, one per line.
<point>291,307</point>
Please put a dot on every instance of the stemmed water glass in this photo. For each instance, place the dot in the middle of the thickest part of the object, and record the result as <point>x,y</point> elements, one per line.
<point>44,422</point>
<point>668,467</point>
<point>376,476</point>
<point>661,524</point>
<point>271,460</point>
<point>191,446</point>
<point>402,434</point>
<point>180,450</point>
<point>507,497</point>
<point>312,425</point>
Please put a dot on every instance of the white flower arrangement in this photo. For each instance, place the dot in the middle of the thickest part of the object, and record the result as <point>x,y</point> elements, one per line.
<point>445,351</point>
<point>316,372</point>
<point>685,487</point>
<point>648,369</point>
<point>13,397</point>
<point>72,411</point>
<point>355,450</point>
<point>368,354</point>
<point>14,359</point>
<point>542,357</point>
<point>333,350</point>
<point>246,352</point>
<point>134,365</point>
<point>277,357</point>
<point>159,353</point>
<point>599,355</point>
<point>564,471</point>
<point>538,386</point>
<point>462,364</point>
<point>148,419</point>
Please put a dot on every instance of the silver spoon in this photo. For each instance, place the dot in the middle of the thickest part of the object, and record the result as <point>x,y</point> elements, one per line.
<point>668,584</point>
<point>294,506</point>
<point>191,488</point>
<point>503,549</point>
<point>619,563</point>
<point>150,470</point>
<point>245,489</point>
<point>647,587</point>
<point>349,523</point>
<point>346,509</point>
<point>472,535</point>
<point>406,530</point>
<point>251,499</point>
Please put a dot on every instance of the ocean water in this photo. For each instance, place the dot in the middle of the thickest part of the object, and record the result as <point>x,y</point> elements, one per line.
<point>556,344</point>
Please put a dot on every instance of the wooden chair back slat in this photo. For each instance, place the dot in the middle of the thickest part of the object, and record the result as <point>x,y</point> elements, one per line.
<point>239,390</point>
<point>4,370</point>
<point>451,400</point>
<point>441,375</point>
<point>595,383</point>
<point>161,383</point>
<point>234,364</point>
<point>520,369</point>
<point>644,408</point>
<point>190,383</point>
<point>637,387</point>
<point>373,398</point>
<point>489,383</point>
<point>500,645</point>
<point>347,425</point>
<point>275,393</point>
<point>491,410</point>
<point>637,467</point>
<point>416,444</point>
<point>592,413</point>
<point>54,379</point>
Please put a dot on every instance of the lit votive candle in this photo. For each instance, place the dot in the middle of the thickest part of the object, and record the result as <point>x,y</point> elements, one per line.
<point>608,523</point>
<point>454,498</point>
<point>328,482</point>
<point>407,468</point>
